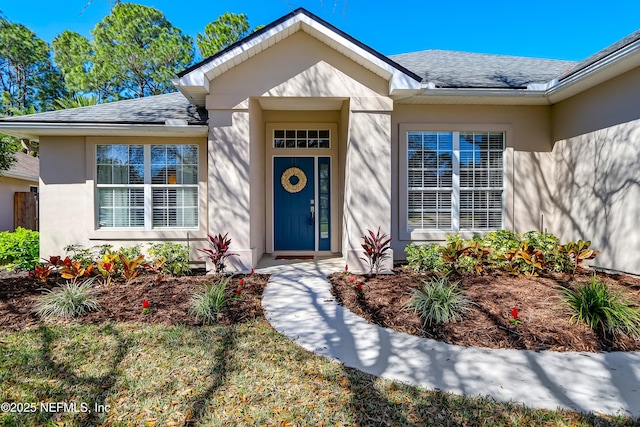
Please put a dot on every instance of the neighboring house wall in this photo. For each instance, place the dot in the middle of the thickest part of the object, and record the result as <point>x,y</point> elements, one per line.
<point>528,185</point>
<point>9,186</point>
<point>597,172</point>
<point>67,197</point>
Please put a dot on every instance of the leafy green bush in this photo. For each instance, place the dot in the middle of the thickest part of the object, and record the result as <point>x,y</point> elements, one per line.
<point>425,257</point>
<point>176,255</point>
<point>131,252</point>
<point>20,249</point>
<point>549,245</point>
<point>602,309</point>
<point>72,299</point>
<point>439,302</point>
<point>208,303</point>
<point>500,242</point>
<point>528,254</point>
<point>466,264</point>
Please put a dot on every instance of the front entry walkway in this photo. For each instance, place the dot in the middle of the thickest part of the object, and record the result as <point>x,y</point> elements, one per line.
<point>298,303</point>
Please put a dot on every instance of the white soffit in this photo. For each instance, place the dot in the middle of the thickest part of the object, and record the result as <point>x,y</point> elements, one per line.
<point>193,83</point>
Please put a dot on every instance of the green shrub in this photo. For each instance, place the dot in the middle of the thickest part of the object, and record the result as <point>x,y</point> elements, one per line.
<point>69,300</point>
<point>425,257</point>
<point>548,244</point>
<point>467,264</point>
<point>602,309</point>
<point>208,303</point>
<point>439,302</point>
<point>20,249</point>
<point>176,255</point>
<point>500,242</point>
<point>131,252</point>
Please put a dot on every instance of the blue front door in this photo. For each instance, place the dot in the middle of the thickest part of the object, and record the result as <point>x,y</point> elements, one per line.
<point>294,204</point>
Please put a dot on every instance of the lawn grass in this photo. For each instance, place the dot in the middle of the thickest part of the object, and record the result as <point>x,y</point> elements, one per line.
<point>246,374</point>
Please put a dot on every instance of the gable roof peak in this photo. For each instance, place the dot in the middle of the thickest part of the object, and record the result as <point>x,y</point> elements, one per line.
<point>194,81</point>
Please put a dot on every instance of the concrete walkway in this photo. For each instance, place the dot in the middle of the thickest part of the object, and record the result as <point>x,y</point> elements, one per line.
<point>298,304</point>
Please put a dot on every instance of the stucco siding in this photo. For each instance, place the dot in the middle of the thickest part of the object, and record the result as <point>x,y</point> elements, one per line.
<point>299,66</point>
<point>528,170</point>
<point>598,193</point>
<point>258,190</point>
<point>9,186</point>
<point>614,102</point>
<point>597,173</point>
<point>367,203</point>
<point>67,197</point>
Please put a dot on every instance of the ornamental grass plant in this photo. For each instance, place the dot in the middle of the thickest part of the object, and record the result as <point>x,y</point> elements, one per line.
<point>208,303</point>
<point>602,309</point>
<point>71,299</point>
<point>439,302</point>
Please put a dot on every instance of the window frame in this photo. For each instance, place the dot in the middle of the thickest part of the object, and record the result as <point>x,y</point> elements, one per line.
<point>296,138</point>
<point>148,186</point>
<point>423,234</point>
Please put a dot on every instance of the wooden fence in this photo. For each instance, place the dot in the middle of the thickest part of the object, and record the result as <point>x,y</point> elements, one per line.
<point>25,210</point>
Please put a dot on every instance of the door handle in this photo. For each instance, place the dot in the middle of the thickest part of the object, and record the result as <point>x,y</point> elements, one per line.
<point>312,217</point>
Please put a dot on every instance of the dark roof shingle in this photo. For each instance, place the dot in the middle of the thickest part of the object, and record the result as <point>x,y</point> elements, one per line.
<point>150,110</point>
<point>611,49</point>
<point>24,166</point>
<point>476,70</point>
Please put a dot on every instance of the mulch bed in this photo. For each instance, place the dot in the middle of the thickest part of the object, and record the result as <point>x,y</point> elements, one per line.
<point>169,300</point>
<point>544,319</point>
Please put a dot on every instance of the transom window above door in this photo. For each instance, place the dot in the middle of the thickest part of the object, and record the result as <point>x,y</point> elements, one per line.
<point>301,138</point>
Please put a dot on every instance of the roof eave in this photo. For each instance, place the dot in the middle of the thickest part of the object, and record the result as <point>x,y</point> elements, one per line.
<point>493,96</point>
<point>611,66</point>
<point>25,177</point>
<point>34,130</point>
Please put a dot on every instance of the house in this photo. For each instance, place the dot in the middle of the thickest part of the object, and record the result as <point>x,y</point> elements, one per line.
<point>22,177</point>
<point>299,138</point>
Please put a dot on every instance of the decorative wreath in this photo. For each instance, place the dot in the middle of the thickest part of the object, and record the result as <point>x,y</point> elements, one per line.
<point>285,179</point>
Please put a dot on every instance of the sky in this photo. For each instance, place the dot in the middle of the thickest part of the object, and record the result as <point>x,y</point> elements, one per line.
<point>553,29</point>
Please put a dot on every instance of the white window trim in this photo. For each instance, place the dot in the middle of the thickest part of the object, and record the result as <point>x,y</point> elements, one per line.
<point>148,190</point>
<point>406,233</point>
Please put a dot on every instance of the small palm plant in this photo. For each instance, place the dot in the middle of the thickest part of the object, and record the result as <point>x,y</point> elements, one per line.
<point>602,309</point>
<point>439,302</point>
<point>72,299</point>
<point>208,303</point>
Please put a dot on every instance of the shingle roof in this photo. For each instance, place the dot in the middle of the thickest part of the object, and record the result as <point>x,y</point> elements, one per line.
<point>603,54</point>
<point>150,110</point>
<point>24,166</point>
<point>475,70</point>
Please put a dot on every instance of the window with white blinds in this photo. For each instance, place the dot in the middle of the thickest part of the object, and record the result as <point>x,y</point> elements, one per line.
<point>147,186</point>
<point>455,180</point>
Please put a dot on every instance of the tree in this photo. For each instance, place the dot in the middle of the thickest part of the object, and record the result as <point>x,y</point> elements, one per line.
<point>135,52</point>
<point>74,55</point>
<point>75,101</point>
<point>7,152</point>
<point>27,75</point>
<point>222,33</point>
